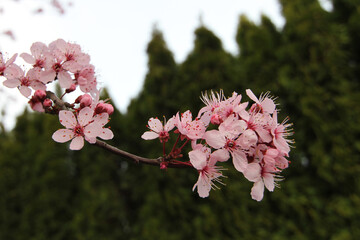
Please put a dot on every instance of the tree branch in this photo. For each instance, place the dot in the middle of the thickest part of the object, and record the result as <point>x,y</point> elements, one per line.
<point>170,163</point>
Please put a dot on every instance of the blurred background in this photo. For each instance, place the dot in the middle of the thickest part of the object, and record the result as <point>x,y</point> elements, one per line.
<point>310,59</point>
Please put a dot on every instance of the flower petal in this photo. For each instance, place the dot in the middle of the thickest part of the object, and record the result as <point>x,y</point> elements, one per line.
<point>63,135</point>
<point>257,191</point>
<point>253,172</point>
<point>239,160</point>
<point>149,135</point>
<point>214,138</point>
<point>77,143</point>
<point>85,116</point>
<point>106,134</point>
<point>197,159</point>
<point>155,125</point>
<point>67,119</point>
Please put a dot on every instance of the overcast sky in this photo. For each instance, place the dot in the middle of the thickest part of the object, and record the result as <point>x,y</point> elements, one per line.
<point>115,33</point>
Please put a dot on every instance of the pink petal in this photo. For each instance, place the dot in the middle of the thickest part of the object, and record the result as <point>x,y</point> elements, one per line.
<point>257,191</point>
<point>268,105</point>
<point>197,159</point>
<point>268,179</point>
<point>239,160</point>
<point>186,117</point>
<point>253,172</point>
<point>85,116</point>
<point>102,119</point>
<point>214,138</point>
<point>92,130</point>
<point>220,155</point>
<point>28,58</point>
<point>47,76</point>
<point>170,124</point>
<point>37,49</point>
<point>11,83</point>
<point>25,91</point>
<point>63,135</point>
<point>77,143</point>
<point>252,96</point>
<point>106,134</point>
<point>11,60</point>
<point>203,186</point>
<point>65,79</point>
<point>155,125</point>
<point>149,135</point>
<point>264,135</point>
<point>67,119</point>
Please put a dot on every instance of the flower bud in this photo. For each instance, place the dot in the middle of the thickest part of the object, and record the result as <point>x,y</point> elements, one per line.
<point>71,88</point>
<point>47,103</point>
<point>85,101</point>
<point>39,95</point>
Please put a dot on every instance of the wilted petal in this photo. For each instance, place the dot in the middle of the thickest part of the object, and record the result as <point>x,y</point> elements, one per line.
<point>67,119</point>
<point>63,135</point>
<point>77,143</point>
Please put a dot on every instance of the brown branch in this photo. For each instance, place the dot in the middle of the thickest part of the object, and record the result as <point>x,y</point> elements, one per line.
<point>170,163</point>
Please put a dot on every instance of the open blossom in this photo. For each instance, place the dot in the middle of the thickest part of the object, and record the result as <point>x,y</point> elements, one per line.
<point>78,128</point>
<point>209,173</point>
<point>158,130</point>
<point>264,104</point>
<point>261,175</point>
<point>189,128</point>
<point>4,64</point>
<point>39,52</point>
<point>17,78</point>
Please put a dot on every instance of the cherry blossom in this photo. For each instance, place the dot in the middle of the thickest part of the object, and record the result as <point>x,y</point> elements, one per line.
<point>79,127</point>
<point>189,128</point>
<point>158,130</point>
<point>5,64</point>
<point>208,171</point>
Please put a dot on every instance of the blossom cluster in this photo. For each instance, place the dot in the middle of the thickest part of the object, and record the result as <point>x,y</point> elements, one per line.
<point>226,129</point>
<point>66,64</point>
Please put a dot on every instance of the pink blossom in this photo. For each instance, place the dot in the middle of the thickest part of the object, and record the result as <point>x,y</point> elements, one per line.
<point>16,78</point>
<point>208,172</point>
<point>218,108</point>
<point>39,52</point>
<point>191,129</point>
<point>4,64</point>
<point>261,175</point>
<point>158,130</point>
<point>279,132</point>
<point>71,55</point>
<point>264,104</point>
<point>78,127</point>
<point>54,70</point>
<point>86,79</point>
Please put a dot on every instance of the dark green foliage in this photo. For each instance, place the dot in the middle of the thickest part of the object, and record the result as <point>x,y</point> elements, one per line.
<point>312,64</point>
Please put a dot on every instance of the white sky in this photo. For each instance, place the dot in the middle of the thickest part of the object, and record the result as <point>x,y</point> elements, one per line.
<point>115,34</point>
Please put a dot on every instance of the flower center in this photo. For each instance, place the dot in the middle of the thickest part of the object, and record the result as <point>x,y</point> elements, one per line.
<point>79,130</point>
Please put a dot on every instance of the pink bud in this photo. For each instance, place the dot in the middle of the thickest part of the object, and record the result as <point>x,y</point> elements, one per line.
<point>71,88</point>
<point>47,103</point>
<point>85,101</point>
<point>39,95</point>
<point>109,108</point>
<point>216,119</point>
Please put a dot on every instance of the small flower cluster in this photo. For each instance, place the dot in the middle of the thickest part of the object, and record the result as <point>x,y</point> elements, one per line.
<point>65,63</point>
<point>251,137</point>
